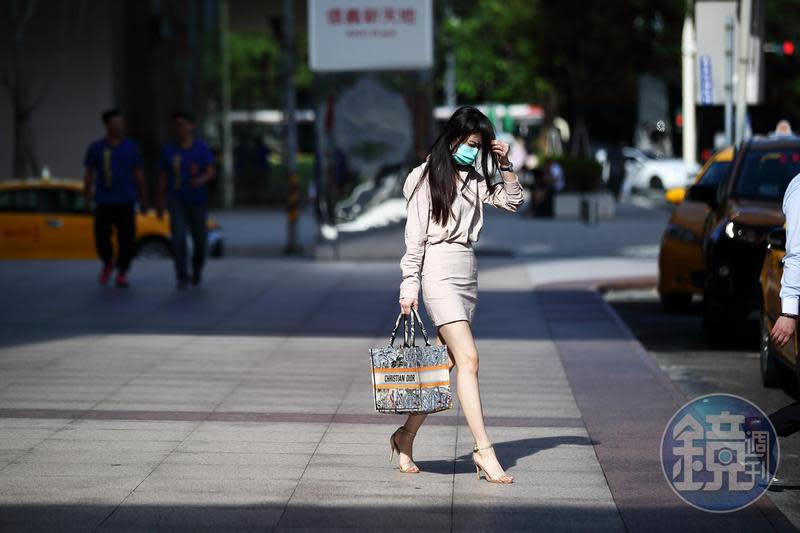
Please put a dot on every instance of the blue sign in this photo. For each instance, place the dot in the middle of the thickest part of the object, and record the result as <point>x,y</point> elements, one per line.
<point>719,453</point>
<point>706,81</point>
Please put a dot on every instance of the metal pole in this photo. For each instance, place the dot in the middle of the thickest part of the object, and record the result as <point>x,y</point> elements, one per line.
<point>688,52</point>
<point>290,125</point>
<point>450,70</point>
<point>290,128</point>
<point>745,22</point>
<point>450,79</point>
<point>227,134</point>
<point>729,32</point>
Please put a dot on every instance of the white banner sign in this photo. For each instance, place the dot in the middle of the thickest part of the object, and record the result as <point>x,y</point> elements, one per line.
<point>346,35</point>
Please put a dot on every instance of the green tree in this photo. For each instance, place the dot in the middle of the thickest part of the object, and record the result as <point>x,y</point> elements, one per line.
<point>255,69</point>
<point>586,54</point>
<point>496,59</point>
<point>596,51</point>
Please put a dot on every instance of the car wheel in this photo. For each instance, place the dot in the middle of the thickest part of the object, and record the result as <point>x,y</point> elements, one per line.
<point>716,319</point>
<point>675,301</point>
<point>153,248</point>
<point>656,183</point>
<point>770,371</point>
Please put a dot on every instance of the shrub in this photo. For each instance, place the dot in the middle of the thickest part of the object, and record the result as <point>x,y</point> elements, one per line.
<point>581,174</point>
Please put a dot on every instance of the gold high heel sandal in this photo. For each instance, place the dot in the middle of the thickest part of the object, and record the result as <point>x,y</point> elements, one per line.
<point>411,469</point>
<point>479,467</point>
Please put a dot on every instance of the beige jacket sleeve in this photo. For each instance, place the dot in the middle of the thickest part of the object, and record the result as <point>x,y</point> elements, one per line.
<point>507,195</point>
<point>416,233</point>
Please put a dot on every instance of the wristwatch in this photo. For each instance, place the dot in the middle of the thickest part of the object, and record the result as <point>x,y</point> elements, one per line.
<point>508,168</point>
<point>789,315</point>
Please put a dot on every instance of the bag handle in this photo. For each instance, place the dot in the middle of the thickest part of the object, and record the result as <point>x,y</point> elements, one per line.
<point>421,327</point>
<point>408,323</point>
<point>397,325</point>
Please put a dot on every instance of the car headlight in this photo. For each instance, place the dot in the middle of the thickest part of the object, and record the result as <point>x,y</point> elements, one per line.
<point>679,233</point>
<point>739,232</point>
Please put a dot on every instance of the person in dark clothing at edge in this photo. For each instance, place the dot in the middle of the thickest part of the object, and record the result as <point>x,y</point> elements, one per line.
<point>113,172</point>
<point>187,166</point>
<point>616,169</point>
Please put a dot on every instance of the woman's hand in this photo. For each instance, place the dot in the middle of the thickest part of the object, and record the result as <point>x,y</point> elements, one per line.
<point>407,303</point>
<point>500,149</point>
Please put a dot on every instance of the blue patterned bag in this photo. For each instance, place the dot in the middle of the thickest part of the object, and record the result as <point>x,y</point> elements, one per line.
<point>410,378</point>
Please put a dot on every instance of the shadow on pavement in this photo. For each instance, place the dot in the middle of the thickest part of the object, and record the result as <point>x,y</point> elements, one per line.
<point>508,453</point>
<point>282,306</point>
<point>493,516</point>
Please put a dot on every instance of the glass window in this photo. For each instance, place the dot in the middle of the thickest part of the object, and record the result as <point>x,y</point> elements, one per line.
<point>765,174</point>
<point>61,201</point>
<point>46,201</point>
<point>24,200</point>
<point>43,200</point>
<point>715,173</point>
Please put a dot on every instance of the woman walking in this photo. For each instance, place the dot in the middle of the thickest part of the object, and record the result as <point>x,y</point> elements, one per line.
<point>445,197</point>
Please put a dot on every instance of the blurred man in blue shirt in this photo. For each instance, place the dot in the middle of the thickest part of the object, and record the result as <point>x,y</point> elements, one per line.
<point>113,172</point>
<point>187,166</point>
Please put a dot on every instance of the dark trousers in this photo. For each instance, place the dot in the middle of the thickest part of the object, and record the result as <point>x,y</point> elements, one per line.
<point>786,419</point>
<point>185,216</point>
<point>543,201</point>
<point>615,184</point>
<point>123,218</point>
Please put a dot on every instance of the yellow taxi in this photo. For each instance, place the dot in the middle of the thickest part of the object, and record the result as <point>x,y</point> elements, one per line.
<point>778,365</point>
<point>680,260</point>
<point>47,219</point>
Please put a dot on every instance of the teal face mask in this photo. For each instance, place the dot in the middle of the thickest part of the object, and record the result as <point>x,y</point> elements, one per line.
<point>465,154</point>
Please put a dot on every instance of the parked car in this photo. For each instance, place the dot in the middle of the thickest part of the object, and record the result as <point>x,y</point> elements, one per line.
<point>680,258</point>
<point>778,365</point>
<point>743,209</point>
<point>643,170</point>
<point>48,219</point>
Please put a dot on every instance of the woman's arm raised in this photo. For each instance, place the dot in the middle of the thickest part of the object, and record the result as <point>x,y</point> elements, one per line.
<point>506,195</point>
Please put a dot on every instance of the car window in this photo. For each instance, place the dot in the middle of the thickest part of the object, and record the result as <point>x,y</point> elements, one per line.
<point>715,173</point>
<point>46,201</point>
<point>765,174</point>
<point>42,201</point>
<point>23,200</point>
<point>61,201</point>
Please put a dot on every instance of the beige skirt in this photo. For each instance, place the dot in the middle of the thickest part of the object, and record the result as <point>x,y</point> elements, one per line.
<point>449,282</point>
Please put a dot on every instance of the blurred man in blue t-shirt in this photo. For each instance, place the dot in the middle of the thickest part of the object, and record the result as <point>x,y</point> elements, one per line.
<point>187,165</point>
<point>113,172</point>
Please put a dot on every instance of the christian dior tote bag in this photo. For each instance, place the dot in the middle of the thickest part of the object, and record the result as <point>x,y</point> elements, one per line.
<point>410,378</point>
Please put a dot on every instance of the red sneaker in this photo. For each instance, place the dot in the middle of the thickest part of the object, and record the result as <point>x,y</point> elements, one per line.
<point>122,281</point>
<point>105,274</point>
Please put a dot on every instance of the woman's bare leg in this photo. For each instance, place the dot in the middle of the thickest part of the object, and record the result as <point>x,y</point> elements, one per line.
<point>460,343</point>
<point>414,422</point>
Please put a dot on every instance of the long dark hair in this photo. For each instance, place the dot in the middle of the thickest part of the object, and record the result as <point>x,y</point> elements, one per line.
<point>441,170</point>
